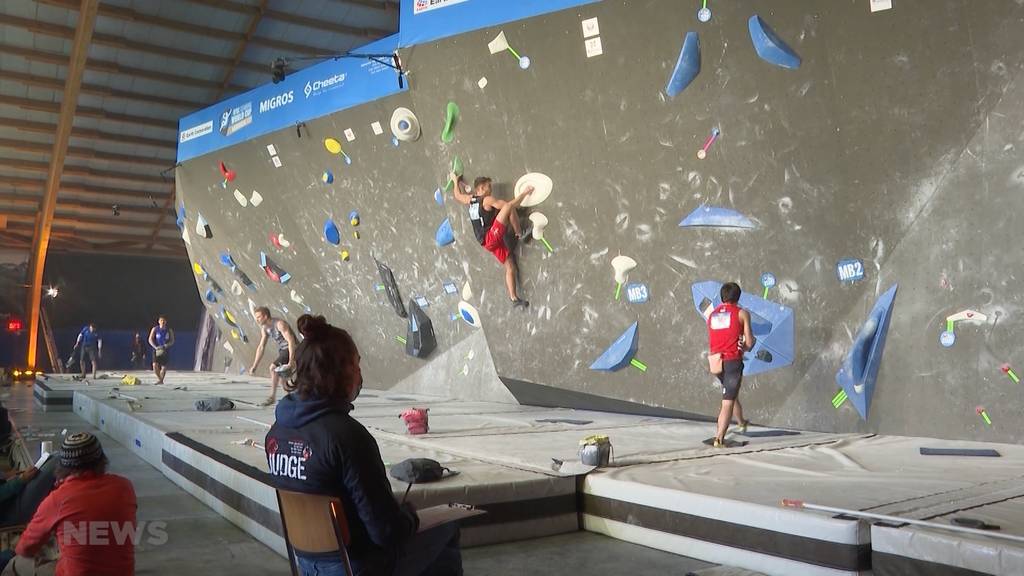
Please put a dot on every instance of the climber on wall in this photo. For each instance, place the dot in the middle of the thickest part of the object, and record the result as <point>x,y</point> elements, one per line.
<point>281,333</point>
<point>729,335</point>
<point>491,217</point>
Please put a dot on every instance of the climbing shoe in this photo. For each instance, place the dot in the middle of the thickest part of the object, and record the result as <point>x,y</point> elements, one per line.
<point>519,302</point>
<point>718,443</point>
<point>742,428</point>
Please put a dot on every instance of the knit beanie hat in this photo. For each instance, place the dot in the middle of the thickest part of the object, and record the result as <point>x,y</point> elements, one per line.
<point>81,450</point>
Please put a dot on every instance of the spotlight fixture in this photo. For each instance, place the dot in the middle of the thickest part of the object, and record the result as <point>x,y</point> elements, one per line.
<point>278,69</point>
<point>116,209</point>
<point>52,292</point>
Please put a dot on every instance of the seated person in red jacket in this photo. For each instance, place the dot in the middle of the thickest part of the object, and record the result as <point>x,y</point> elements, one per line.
<point>91,512</point>
<point>315,446</point>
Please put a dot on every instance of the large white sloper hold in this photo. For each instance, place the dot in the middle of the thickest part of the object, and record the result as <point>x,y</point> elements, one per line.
<point>542,186</point>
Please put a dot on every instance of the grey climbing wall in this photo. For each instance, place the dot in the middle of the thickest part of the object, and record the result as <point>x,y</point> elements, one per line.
<point>896,142</point>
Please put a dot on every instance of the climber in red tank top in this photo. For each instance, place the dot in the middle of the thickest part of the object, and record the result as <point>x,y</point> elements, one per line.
<point>729,334</point>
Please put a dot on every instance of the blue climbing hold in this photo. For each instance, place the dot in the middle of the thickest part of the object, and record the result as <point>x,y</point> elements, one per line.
<point>687,67</point>
<point>439,197</point>
<point>718,217</point>
<point>769,46</point>
<point>859,371</point>
<point>181,217</point>
<point>618,355</point>
<point>773,326</point>
<point>331,232</point>
<point>210,296</point>
<point>444,235</point>
<point>227,260</point>
<point>327,177</point>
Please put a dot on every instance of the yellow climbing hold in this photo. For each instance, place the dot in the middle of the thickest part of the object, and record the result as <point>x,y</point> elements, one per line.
<point>332,145</point>
<point>355,234</point>
<point>198,269</point>
<point>234,334</point>
<point>230,317</point>
<point>344,255</point>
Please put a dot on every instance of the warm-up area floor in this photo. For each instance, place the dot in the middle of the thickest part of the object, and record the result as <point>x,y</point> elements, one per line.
<point>665,489</point>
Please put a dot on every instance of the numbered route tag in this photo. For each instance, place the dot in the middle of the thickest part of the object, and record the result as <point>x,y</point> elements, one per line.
<point>850,270</point>
<point>637,293</point>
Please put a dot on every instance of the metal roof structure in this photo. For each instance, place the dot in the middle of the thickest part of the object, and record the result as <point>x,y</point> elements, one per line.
<point>146,64</point>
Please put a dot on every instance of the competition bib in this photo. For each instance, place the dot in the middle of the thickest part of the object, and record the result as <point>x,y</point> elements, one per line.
<point>721,321</point>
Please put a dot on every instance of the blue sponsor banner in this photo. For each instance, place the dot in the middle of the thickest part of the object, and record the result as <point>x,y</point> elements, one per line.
<point>303,95</point>
<point>426,20</point>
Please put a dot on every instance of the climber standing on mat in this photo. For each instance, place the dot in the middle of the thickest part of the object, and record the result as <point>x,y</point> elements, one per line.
<point>729,335</point>
<point>491,217</point>
<point>281,333</point>
<point>161,338</point>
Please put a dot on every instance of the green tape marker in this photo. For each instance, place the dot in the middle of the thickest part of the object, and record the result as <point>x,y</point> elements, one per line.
<point>949,325</point>
<point>457,166</point>
<point>839,398</point>
<point>618,289</point>
<point>514,53</point>
<point>400,339</point>
<point>638,365</point>
<point>550,249</point>
<point>765,295</point>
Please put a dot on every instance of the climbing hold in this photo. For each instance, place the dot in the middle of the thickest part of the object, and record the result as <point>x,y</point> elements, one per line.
<point>420,340</point>
<point>353,218</point>
<point>771,323</point>
<point>444,235</point>
<point>227,260</point>
<point>228,316</point>
<point>344,255</point>
<point>542,186</point>
<point>769,46</point>
<point>687,67</point>
<point>981,412</point>
<point>860,369</point>
<point>540,222</point>
<point>449,288</point>
<point>331,232</point>
<point>439,197</point>
<point>185,236</point>
<point>620,353</point>
<point>332,145</point>
<point>947,338</point>
<point>198,269</point>
<point>229,175</point>
<point>181,217</point>
<point>704,14</point>
<point>703,152</point>
<point>482,82</point>
<point>284,242</point>
<point>451,118</point>
<point>229,347</point>
<point>242,200</point>
<point>275,240</point>
<point>716,217</point>
<point>467,291</point>
<point>524,62</point>
<point>236,288</point>
<point>272,270</point>
<point>500,44</point>
<point>256,199</point>
<point>768,282</point>
<point>327,177</point>
<point>387,278</point>
<point>210,296</point>
<point>621,265</point>
<point>234,333</point>
<point>355,234</point>
<point>469,314</point>
<point>404,126</point>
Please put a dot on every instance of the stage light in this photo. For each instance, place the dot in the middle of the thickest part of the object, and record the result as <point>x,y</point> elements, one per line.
<point>52,292</point>
<point>277,69</point>
<point>14,325</point>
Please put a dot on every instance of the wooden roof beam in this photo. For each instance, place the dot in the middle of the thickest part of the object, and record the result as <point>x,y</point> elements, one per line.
<point>97,90</point>
<point>84,111</point>
<point>316,23</point>
<point>42,167</point>
<point>115,194</point>
<point>115,68</point>
<point>66,32</point>
<point>31,201</point>
<point>79,152</point>
<point>47,128</point>
<point>44,220</point>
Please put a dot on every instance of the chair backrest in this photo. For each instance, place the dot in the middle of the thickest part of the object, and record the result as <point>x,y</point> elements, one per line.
<point>314,523</point>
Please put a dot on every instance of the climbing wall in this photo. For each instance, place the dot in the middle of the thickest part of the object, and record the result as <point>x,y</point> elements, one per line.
<point>844,152</point>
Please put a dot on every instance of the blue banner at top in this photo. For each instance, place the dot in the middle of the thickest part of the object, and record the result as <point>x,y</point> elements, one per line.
<point>425,20</point>
<point>310,93</point>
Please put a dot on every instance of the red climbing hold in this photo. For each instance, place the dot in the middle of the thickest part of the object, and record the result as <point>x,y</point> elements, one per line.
<point>229,175</point>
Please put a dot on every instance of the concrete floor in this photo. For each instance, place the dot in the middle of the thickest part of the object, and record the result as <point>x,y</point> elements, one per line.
<point>200,540</point>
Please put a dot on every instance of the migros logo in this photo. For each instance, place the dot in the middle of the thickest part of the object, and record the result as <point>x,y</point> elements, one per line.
<point>324,84</point>
<point>277,101</point>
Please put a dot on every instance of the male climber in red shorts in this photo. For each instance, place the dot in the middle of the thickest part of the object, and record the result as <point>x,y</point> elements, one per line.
<point>491,217</point>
